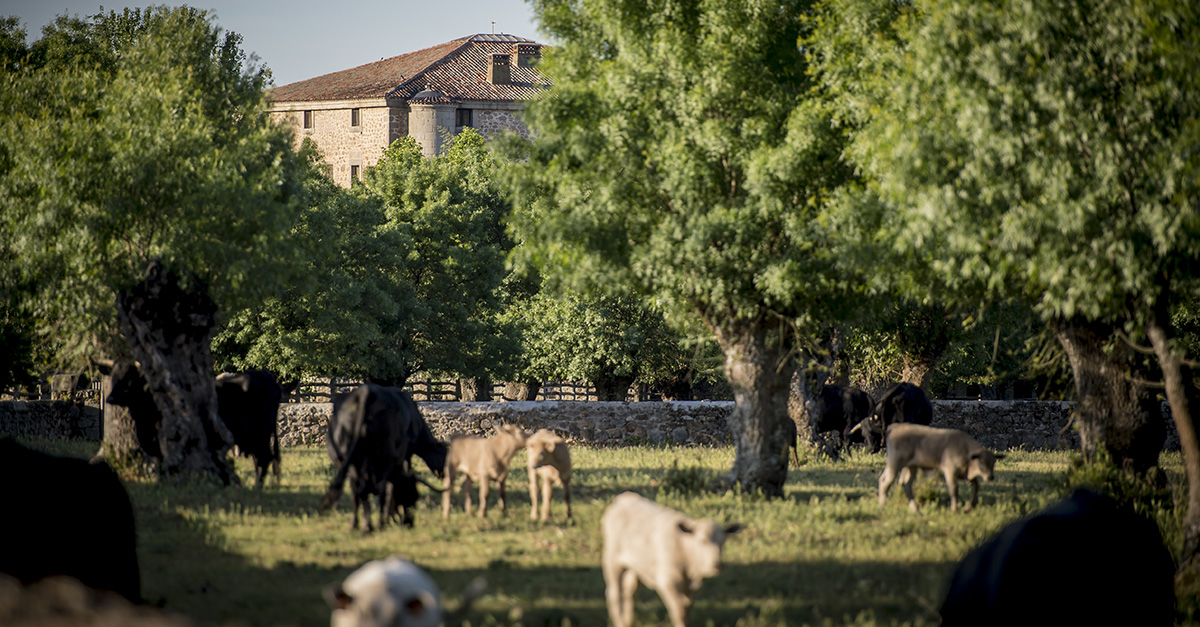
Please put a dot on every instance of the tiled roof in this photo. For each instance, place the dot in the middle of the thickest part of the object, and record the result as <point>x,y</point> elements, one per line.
<point>458,69</point>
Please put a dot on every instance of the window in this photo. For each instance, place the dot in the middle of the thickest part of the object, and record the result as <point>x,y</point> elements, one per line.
<point>464,117</point>
<point>354,173</point>
<point>308,119</point>
<point>355,118</point>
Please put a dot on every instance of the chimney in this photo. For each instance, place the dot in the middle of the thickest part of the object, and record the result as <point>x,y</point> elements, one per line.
<point>528,54</point>
<point>499,71</point>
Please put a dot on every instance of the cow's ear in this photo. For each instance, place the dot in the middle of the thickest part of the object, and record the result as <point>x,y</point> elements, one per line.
<point>733,528</point>
<point>686,526</point>
<point>336,597</point>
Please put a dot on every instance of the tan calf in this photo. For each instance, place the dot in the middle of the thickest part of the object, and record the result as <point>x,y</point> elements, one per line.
<point>660,548</point>
<point>548,458</point>
<point>482,460</point>
<point>911,447</point>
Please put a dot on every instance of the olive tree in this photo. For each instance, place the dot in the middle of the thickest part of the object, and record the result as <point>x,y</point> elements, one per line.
<point>683,155</point>
<point>142,188</point>
<point>1045,152</point>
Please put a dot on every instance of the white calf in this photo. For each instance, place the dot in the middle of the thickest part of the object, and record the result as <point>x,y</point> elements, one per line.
<point>661,548</point>
<point>482,460</point>
<point>549,458</point>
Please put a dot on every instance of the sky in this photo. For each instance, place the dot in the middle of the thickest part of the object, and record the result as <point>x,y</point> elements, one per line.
<point>300,39</point>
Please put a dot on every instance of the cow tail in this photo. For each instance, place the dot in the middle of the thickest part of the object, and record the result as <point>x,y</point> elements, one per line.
<point>335,487</point>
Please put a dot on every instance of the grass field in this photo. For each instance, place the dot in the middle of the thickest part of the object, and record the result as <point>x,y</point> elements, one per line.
<point>827,554</point>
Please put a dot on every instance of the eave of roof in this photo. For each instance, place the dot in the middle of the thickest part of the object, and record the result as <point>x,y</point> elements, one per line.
<point>458,69</point>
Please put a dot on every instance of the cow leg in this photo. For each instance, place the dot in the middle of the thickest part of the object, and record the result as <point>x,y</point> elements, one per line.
<point>974,495</point>
<point>678,602</point>
<point>485,488</point>
<point>567,495</point>
<point>612,594</point>
<point>547,489</point>
<point>629,585</point>
<point>502,481</point>
<point>260,472</point>
<point>907,478</point>
<point>885,483</point>
<point>447,489</point>
<point>467,486</point>
<point>952,485</point>
<point>533,498</point>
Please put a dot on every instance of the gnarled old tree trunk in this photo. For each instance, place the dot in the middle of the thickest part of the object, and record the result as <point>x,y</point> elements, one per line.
<point>759,371</point>
<point>1115,411</point>
<point>120,445</point>
<point>612,387</point>
<point>475,390</point>
<point>1184,399</point>
<point>169,331</point>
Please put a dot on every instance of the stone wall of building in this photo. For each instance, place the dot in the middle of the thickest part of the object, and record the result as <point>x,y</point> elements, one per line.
<point>342,145</point>
<point>492,122</point>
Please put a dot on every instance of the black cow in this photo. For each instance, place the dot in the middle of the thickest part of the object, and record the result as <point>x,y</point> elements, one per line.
<point>131,391</point>
<point>65,516</point>
<point>902,402</point>
<point>248,404</point>
<point>373,433</point>
<point>839,409</point>
<point>1083,561</point>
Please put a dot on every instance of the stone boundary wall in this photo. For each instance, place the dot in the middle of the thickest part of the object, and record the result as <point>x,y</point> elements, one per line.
<point>998,425</point>
<point>49,419</point>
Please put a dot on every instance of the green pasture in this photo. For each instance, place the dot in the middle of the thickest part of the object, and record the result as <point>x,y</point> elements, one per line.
<point>826,554</point>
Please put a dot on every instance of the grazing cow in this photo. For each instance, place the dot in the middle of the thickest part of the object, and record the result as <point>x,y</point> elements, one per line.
<point>902,402</point>
<point>394,592</point>
<point>482,460</point>
<point>662,549</point>
<point>67,516</point>
<point>248,404</point>
<point>1084,561</point>
<point>913,447</point>
<point>372,432</point>
<point>839,410</point>
<point>549,458</point>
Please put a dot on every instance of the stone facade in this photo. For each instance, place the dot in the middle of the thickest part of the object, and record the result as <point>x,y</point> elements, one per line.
<point>341,144</point>
<point>49,419</point>
<point>492,122</point>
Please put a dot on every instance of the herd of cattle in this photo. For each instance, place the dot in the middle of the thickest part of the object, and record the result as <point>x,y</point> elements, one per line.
<point>375,431</point>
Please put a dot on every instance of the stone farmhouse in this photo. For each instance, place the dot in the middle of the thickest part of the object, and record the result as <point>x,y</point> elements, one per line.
<point>480,81</point>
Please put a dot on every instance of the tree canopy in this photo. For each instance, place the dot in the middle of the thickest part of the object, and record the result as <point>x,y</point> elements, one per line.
<point>135,136</point>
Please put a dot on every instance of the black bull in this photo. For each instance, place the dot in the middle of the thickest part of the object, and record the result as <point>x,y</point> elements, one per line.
<point>373,433</point>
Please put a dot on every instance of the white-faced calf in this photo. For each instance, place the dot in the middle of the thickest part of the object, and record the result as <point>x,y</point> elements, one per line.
<point>661,548</point>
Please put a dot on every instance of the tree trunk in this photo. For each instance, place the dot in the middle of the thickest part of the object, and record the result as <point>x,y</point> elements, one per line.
<point>760,374</point>
<point>119,446</point>
<point>521,390</point>
<point>917,373</point>
<point>169,331</point>
<point>1182,396</point>
<point>1115,411</point>
<point>475,390</point>
<point>612,388</point>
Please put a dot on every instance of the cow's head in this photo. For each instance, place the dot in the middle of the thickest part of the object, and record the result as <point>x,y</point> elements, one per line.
<point>982,464</point>
<point>385,593</point>
<point>701,541</point>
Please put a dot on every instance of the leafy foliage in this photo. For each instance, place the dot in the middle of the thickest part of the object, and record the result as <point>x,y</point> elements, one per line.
<point>133,136</point>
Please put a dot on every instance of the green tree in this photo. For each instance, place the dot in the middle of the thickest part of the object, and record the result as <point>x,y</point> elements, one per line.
<point>612,341</point>
<point>682,155</point>
<point>141,184</point>
<point>332,320</point>
<point>1046,151</point>
<point>451,210</point>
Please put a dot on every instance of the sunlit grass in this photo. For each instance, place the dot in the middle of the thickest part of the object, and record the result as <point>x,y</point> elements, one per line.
<point>826,553</point>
